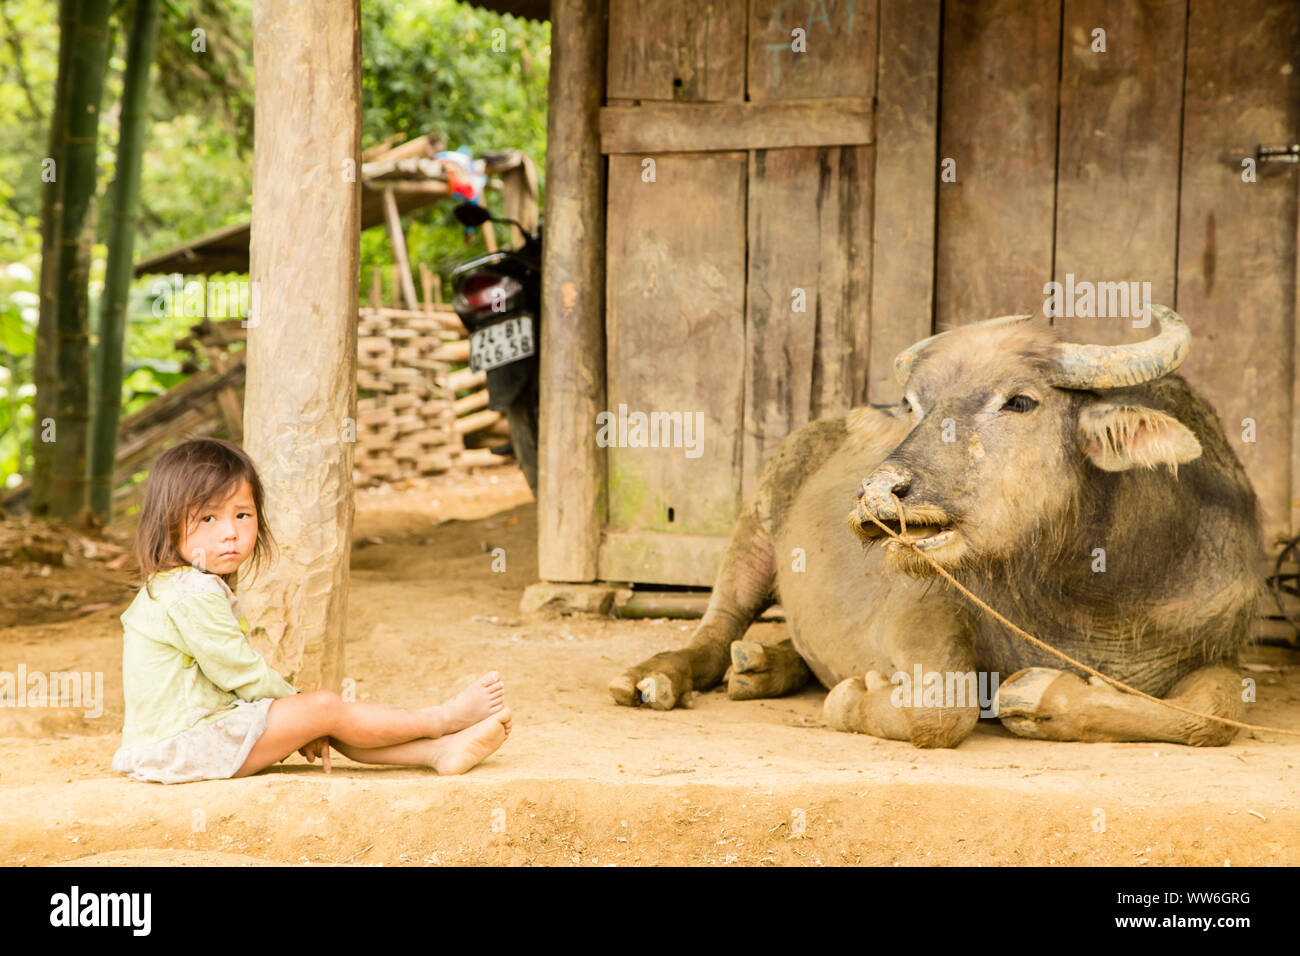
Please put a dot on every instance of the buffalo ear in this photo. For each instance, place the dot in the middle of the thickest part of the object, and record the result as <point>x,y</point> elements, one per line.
<point>1120,437</point>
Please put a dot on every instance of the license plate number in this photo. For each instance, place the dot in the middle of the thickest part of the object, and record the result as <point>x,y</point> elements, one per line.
<point>502,343</point>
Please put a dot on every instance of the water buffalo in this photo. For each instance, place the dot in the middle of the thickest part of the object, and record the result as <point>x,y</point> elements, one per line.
<point>1085,492</point>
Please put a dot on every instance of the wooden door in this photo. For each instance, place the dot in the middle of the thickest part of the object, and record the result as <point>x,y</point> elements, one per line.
<point>738,252</point>
<point>1103,144</point>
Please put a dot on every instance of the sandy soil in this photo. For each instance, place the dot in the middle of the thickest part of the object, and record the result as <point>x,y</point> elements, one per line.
<point>581,781</point>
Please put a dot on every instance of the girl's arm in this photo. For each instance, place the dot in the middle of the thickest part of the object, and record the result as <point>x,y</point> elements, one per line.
<point>211,635</point>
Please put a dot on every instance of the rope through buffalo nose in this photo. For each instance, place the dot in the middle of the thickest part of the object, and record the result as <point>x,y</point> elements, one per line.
<point>902,518</point>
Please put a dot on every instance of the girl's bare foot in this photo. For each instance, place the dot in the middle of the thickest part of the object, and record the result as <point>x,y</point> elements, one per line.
<point>481,699</point>
<point>457,752</point>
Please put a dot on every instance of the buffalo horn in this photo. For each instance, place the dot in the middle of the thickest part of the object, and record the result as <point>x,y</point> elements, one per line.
<point>907,358</point>
<point>1118,366</point>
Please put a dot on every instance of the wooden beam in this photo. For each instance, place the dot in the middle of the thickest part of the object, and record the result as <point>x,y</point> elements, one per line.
<point>571,467</point>
<point>471,403</point>
<point>464,378</point>
<point>432,187</point>
<point>1295,392</point>
<point>519,194</point>
<point>402,265</point>
<point>302,343</point>
<point>654,558</point>
<point>227,398</point>
<point>426,287</point>
<point>477,421</point>
<point>712,127</point>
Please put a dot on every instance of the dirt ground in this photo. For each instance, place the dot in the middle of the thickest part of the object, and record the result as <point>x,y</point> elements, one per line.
<point>582,781</point>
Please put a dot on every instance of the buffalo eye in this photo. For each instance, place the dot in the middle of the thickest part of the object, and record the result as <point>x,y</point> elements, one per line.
<point>1019,403</point>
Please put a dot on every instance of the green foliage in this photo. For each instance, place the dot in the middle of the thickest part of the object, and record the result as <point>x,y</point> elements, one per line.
<point>17,347</point>
<point>470,77</point>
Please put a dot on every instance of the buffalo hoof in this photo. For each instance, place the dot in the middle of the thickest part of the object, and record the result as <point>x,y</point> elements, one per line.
<point>662,683</point>
<point>765,670</point>
<point>746,678</point>
<point>1021,696</point>
<point>843,706</point>
<point>857,706</point>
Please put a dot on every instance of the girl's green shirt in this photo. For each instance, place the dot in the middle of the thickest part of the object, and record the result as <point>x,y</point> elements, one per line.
<point>186,657</point>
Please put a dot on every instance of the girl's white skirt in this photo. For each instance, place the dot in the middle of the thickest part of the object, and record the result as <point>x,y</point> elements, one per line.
<point>213,751</point>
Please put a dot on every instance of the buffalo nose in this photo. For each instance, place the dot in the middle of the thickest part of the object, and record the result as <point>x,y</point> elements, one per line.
<point>880,486</point>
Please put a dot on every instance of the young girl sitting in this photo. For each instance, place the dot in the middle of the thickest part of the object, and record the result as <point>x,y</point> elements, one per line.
<point>201,704</point>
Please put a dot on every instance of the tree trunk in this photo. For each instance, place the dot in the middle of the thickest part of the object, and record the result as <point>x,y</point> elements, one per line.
<point>88,57</point>
<point>121,243</point>
<point>46,372</point>
<point>300,395</point>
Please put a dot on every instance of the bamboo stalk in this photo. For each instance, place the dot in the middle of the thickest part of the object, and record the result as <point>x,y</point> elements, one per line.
<point>85,92</point>
<point>121,241</point>
<point>46,370</point>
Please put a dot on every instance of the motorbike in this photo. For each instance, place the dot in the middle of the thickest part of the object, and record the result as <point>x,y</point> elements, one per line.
<point>498,298</point>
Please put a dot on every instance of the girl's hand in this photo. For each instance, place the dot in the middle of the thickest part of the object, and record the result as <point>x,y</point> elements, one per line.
<point>318,747</point>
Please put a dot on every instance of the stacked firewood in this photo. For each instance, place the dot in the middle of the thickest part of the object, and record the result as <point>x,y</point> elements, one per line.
<point>409,421</point>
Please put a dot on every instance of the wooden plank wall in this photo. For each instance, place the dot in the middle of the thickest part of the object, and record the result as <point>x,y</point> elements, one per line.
<point>675,326</point>
<point>907,117</point>
<point>1115,166</point>
<point>997,121</point>
<point>678,51</point>
<point>1137,180</point>
<point>1236,240</point>
<point>1117,174</point>
<point>807,321</point>
<point>675,289</point>
<point>739,280</point>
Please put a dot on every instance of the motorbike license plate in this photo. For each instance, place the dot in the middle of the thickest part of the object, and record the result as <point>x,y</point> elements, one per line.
<point>502,343</point>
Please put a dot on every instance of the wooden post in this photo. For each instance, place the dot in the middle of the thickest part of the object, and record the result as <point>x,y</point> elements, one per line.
<point>519,190</point>
<point>402,264</point>
<point>571,493</point>
<point>1295,401</point>
<point>300,396</point>
<point>426,287</point>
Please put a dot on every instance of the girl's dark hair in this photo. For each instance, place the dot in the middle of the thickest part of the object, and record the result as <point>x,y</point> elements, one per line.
<point>183,479</point>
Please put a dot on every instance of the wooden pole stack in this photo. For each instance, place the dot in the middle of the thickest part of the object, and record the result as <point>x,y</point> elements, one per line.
<point>420,411</point>
<point>410,420</point>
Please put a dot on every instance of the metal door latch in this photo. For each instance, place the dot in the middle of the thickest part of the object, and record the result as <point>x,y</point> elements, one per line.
<point>1278,154</point>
